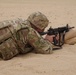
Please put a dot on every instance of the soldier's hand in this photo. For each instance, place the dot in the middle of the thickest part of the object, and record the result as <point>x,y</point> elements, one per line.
<point>50,37</point>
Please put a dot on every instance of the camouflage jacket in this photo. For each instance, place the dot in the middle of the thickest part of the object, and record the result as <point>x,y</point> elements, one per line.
<point>17,36</point>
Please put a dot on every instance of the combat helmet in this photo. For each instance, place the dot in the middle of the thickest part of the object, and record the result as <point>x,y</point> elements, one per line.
<point>39,20</point>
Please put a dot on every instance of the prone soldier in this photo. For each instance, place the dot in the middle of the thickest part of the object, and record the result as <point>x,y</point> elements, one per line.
<point>22,36</point>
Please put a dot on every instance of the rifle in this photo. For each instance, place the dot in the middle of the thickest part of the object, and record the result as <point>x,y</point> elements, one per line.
<point>58,31</point>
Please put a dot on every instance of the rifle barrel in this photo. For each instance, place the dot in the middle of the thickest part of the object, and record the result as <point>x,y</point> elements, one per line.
<point>71,27</point>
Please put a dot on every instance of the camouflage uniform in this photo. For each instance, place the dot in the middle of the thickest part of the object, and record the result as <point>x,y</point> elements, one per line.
<point>17,36</point>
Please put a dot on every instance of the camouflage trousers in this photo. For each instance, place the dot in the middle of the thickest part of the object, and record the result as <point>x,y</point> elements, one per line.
<point>8,49</point>
<point>9,45</point>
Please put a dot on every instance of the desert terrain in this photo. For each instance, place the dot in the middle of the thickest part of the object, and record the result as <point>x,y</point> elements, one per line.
<point>59,13</point>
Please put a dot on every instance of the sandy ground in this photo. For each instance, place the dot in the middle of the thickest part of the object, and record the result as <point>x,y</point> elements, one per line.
<point>61,62</point>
